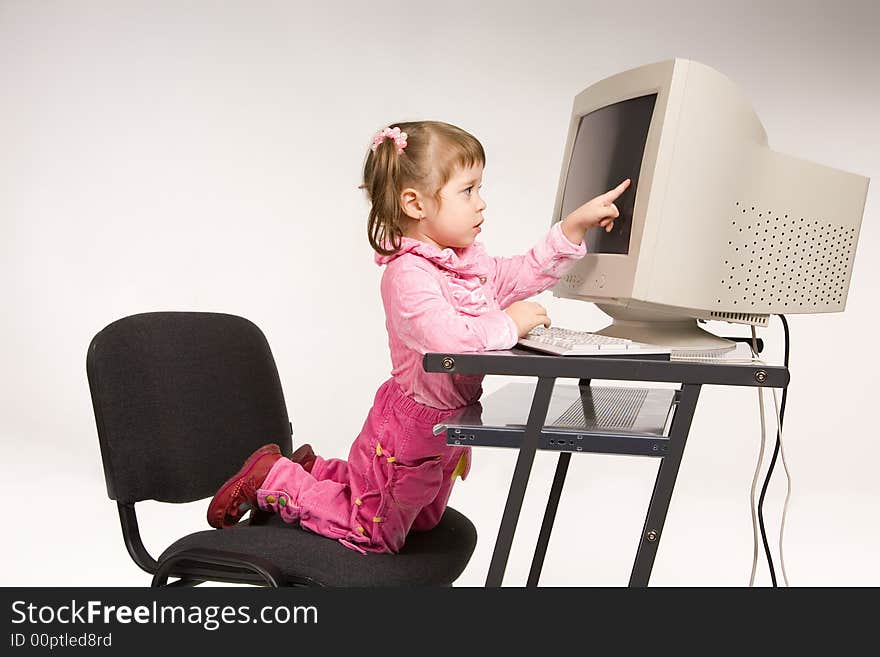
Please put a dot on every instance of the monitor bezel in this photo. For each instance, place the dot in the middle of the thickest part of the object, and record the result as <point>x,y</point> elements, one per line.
<point>609,276</point>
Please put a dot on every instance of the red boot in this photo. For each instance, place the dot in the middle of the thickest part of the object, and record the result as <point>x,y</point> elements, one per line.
<point>240,491</point>
<point>305,456</point>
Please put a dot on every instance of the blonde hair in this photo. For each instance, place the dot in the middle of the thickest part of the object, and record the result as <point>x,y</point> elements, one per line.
<point>433,152</point>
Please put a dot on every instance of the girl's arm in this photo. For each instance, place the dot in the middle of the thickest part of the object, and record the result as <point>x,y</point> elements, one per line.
<point>524,276</point>
<point>421,316</point>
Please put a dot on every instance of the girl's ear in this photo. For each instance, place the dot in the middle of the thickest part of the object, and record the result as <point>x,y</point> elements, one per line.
<point>411,203</point>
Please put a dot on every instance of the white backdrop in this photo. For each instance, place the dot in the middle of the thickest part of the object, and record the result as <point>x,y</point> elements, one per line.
<point>207,157</point>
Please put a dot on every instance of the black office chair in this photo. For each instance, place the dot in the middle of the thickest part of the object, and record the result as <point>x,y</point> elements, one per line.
<point>181,399</point>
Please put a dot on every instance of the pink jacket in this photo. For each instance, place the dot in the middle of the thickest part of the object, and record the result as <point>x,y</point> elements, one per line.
<point>453,300</point>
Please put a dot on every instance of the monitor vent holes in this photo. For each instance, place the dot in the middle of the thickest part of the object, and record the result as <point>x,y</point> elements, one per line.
<point>785,260</point>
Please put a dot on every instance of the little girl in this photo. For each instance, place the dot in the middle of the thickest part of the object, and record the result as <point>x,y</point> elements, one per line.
<point>442,293</point>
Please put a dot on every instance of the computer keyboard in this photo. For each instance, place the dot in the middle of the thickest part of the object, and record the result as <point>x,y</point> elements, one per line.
<point>568,342</point>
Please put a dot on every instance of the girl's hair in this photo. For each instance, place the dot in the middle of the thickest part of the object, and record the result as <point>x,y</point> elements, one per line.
<point>433,152</point>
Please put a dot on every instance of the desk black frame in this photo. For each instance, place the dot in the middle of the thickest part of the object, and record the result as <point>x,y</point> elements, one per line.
<point>691,375</point>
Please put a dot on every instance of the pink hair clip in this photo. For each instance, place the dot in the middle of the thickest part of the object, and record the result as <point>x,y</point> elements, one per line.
<point>390,133</point>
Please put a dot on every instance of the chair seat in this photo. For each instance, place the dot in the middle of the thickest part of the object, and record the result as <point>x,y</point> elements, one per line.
<point>432,558</point>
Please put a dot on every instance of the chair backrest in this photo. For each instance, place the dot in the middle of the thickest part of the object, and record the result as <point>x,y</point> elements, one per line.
<point>179,398</point>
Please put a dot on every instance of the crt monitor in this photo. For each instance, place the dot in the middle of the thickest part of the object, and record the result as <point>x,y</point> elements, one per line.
<point>715,225</point>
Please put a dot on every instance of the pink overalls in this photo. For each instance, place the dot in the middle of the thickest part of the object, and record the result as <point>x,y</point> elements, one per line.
<point>399,475</point>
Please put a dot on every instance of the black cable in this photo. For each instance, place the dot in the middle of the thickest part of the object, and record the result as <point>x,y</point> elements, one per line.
<point>773,459</point>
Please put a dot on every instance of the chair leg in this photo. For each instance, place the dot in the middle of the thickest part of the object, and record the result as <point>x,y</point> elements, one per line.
<point>267,571</point>
<point>185,582</point>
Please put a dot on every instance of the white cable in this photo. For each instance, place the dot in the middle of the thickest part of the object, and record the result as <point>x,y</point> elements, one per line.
<point>754,479</point>
<point>757,470</point>
<point>788,486</point>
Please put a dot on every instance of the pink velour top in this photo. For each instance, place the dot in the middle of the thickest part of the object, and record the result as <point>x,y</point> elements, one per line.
<point>453,300</point>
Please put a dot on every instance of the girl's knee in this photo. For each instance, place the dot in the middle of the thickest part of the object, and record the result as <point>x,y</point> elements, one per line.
<point>407,488</point>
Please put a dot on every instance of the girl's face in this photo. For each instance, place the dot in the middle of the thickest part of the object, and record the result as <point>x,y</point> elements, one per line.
<point>455,221</point>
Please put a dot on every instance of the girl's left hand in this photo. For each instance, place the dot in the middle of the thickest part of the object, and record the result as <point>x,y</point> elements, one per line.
<point>599,211</point>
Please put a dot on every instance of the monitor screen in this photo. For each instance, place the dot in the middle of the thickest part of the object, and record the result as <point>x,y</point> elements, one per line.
<point>607,150</point>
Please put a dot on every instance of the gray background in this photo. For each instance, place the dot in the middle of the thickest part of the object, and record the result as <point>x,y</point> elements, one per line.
<point>207,156</point>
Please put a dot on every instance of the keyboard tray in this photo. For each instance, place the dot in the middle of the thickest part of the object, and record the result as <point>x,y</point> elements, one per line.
<point>597,419</point>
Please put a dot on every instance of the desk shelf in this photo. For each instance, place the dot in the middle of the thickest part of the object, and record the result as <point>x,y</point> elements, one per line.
<point>589,419</point>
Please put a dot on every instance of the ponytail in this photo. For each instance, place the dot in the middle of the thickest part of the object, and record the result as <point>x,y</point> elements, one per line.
<point>385,225</point>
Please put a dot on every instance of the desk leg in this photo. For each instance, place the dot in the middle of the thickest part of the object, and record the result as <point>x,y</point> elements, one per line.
<point>549,518</point>
<point>660,498</point>
<point>527,448</point>
<point>553,504</point>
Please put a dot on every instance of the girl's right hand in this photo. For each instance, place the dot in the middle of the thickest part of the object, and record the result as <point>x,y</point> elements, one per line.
<point>527,315</point>
<point>599,211</point>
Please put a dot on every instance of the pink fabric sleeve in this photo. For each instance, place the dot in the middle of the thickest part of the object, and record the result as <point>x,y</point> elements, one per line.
<point>424,320</point>
<point>521,277</point>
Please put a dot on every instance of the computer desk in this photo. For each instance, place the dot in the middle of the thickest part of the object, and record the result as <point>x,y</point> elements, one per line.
<point>691,375</point>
